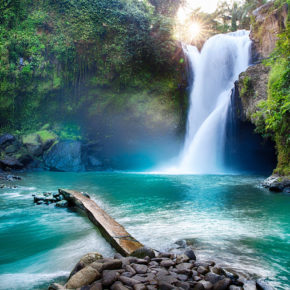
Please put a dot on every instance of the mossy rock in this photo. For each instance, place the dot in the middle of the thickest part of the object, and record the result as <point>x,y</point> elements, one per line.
<point>45,135</point>
<point>31,139</point>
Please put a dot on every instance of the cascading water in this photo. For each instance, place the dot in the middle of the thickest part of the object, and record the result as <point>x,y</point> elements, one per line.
<point>215,70</point>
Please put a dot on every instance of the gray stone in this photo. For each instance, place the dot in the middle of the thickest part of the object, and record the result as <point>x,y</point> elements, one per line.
<point>127,274</point>
<point>118,286</point>
<point>184,268</point>
<point>234,287</point>
<point>143,252</point>
<point>182,258</point>
<point>222,284</point>
<point>96,286</point>
<point>165,286</point>
<point>85,261</point>
<point>83,277</point>
<point>182,285</point>
<point>140,269</point>
<point>65,156</point>
<point>167,263</point>
<point>128,281</point>
<point>130,269</point>
<point>112,265</point>
<point>109,277</point>
<point>56,286</point>
<point>182,277</point>
<point>62,204</point>
<point>141,261</point>
<point>139,287</point>
<point>213,278</point>
<point>262,285</point>
<point>198,286</point>
<point>190,253</point>
<point>202,270</point>
<point>249,285</point>
<point>206,284</point>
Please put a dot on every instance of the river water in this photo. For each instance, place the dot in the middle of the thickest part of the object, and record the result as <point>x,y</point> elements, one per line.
<point>230,219</point>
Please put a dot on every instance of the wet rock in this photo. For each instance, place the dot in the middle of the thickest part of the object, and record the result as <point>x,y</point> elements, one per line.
<point>165,255</point>
<point>10,162</point>
<point>85,261</point>
<point>95,286</point>
<point>118,286</point>
<point>140,269</point>
<point>277,183</point>
<point>249,285</point>
<point>230,273</point>
<point>65,156</point>
<point>190,254</point>
<point>182,277</point>
<point>85,194</point>
<point>109,277</point>
<point>206,284</point>
<point>202,270</point>
<point>165,286</point>
<point>112,265</point>
<point>234,287</point>
<point>213,278</point>
<point>222,284</point>
<point>83,277</point>
<point>141,261</point>
<point>11,149</point>
<point>62,204</point>
<point>262,285</point>
<point>128,281</point>
<point>167,263</point>
<point>6,139</point>
<point>182,258</point>
<point>184,268</point>
<point>198,286</point>
<point>182,285</point>
<point>160,277</point>
<point>130,269</point>
<point>181,243</point>
<point>143,252</point>
<point>56,286</point>
<point>140,287</point>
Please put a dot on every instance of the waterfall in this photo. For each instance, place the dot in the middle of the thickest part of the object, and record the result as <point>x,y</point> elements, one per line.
<point>215,69</point>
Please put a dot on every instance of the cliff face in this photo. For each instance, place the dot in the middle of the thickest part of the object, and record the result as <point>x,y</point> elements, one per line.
<point>268,23</point>
<point>264,87</point>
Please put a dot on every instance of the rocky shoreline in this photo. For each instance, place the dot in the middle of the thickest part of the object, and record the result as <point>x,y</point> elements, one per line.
<point>177,269</point>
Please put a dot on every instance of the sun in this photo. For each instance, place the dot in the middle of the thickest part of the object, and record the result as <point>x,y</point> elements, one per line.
<point>194,30</point>
<point>189,28</point>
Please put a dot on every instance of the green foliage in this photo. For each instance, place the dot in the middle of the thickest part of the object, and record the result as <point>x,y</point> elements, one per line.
<point>247,86</point>
<point>273,118</point>
<point>56,56</point>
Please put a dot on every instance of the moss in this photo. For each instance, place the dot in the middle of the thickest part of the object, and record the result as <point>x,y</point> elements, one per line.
<point>31,139</point>
<point>247,87</point>
<point>45,135</point>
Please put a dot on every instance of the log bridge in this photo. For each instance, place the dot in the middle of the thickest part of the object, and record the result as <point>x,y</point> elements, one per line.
<point>112,231</point>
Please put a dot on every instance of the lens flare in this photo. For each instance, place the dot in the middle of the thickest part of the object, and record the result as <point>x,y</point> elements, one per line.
<point>189,28</point>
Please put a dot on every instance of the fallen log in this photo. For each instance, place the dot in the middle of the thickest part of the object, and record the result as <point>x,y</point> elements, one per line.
<point>112,231</point>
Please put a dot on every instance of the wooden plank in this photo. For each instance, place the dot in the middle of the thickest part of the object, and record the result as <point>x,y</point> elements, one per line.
<point>112,231</point>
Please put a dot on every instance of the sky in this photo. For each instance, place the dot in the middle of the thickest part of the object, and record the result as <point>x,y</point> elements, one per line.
<point>208,6</point>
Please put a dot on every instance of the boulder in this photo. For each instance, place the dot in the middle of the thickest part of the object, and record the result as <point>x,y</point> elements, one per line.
<point>143,252</point>
<point>33,144</point>
<point>85,261</point>
<point>10,162</point>
<point>262,285</point>
<point>62,204</point>
<point>83,277</point>
<point>277,183</point>
<point>6,139</point>
<point>222,284</point>
<point>65,156</point>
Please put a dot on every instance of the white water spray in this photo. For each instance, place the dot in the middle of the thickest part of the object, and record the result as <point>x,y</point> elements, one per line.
<point>215,69</point>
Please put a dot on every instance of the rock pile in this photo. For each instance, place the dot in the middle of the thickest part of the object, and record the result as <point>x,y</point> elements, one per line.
<point>165,271</point>
<point>49,198</point>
